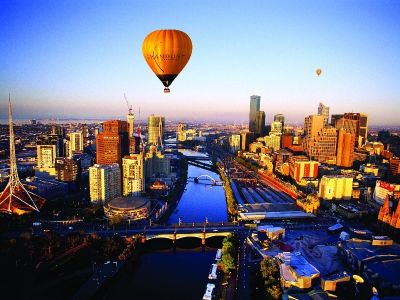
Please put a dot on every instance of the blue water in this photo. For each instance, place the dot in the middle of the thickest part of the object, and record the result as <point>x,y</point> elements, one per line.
<point>200,201</point>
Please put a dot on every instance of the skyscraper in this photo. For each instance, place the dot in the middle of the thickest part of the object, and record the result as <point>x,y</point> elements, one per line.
<point>75,143</point>
<point>280,118</point>
<point>113,143</point>
<point>130,118</point>
<point>133,175</point>
<point>104,182</point>
<point>254,108</point>
<point>68,169</point>
<point>345,148</point>
<point>319,140</point>
<point>155,128</point>
<point>323,110</point>
<point>362,126</point>
<point>260,124</point>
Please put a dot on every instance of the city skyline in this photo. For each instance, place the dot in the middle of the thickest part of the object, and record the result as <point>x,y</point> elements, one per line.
<point>69,63</point>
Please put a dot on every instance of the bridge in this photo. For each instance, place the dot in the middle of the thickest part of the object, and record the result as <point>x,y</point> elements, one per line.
<point>205,177</point>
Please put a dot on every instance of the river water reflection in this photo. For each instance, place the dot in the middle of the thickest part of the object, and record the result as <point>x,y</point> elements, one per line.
<point>200,201</point>
<point>180,274</point>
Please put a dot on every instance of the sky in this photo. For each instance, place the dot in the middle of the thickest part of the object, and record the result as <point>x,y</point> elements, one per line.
<point>76,58</point>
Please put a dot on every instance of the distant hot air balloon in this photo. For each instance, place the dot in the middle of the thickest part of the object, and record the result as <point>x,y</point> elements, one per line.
<point>318,71</point>
<point>167,53</point>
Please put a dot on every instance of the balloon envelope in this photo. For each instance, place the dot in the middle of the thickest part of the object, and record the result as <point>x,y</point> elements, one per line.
<point>167,53</point>
<point>318,71</point>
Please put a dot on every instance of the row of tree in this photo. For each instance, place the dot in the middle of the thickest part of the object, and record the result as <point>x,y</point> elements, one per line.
<point>230,197</point>
<point>270,277</point>
<point>229,253</point>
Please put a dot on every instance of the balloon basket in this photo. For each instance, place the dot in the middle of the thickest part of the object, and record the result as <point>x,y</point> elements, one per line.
<point>166,90</point>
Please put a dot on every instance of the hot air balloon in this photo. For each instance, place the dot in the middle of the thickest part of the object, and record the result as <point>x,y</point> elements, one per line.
<point>167,53</point>
<point>318,71</point>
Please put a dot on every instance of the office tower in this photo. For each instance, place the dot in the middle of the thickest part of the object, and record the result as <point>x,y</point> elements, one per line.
<point>58,130</point>
<point>113,143</point>
<point>345,148</point>
<point>181,132</point>
<point>319,141</point>
<point>335,118</point>
<point>155,128</point>
<point>245,139</point>
<point>104,182</point>
<point>362,127</point>
<point>157,164</point>
<point>325,145</point>
<point>15,198</point>
<point>323,110</point>
<point>260,124</point>
<point>280,118</point>
<point>133,175</point>
<point>75,143</point>
<point>254,108</point>
<point>276,127</point>
<point>85,131</point>
<point>234,142</point>
<point>48,148</point>
<point>68,169</point>
<point>312,127</point>
<point>135,144</point>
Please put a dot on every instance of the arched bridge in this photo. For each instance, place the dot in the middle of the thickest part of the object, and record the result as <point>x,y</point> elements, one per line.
<point>202,231</point>
<point>207,178</point>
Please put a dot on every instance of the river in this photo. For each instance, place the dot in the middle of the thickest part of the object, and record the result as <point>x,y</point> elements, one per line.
<point>180,274</point>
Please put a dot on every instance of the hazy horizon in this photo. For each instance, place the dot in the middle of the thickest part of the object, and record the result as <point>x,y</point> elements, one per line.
<point>68,59</point>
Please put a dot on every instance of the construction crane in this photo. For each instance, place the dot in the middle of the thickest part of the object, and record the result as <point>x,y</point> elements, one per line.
<point>129,106</point>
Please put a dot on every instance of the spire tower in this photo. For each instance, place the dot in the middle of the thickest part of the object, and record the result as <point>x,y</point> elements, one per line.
<point>16,198</point>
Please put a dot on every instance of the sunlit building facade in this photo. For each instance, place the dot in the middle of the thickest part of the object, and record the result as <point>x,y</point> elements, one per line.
<point>133,175</point>
<point>104,182</point>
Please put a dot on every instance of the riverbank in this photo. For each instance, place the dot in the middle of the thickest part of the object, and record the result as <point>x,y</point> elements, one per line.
<point>175,195</point>
<point>231,201</point>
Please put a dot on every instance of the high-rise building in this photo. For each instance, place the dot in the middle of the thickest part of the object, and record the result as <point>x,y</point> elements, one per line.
<point>325,146</point>
<point>156,125</point>
<point>335,118</point>
<point>260,124</point>
<point>234,142</point>
<point>104,182</point>
<point>246,138</point>
<point>323,110</point>
<point>157,164</point>
<point>312,127</point>
<point>345,148</point>
<point>130,119</point>
<point>133,175</point>
<point>48,148</point>
<point>362,127</point>
<point>68,169</point>
<point>254,108</point>
<point>75,143</point>
<point>280,118</point>
<point>181,132</point>
<point>135,144</point>
<point>58,130</point>
<point>276,127</point>
<point>113,143</point>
